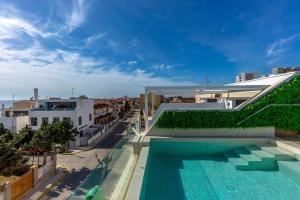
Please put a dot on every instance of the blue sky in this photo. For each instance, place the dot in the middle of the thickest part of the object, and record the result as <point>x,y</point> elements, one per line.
<point>109,48</point>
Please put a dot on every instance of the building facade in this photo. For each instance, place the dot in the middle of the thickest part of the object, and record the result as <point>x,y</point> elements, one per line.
<point>104,112</point>
<point>79,111</point>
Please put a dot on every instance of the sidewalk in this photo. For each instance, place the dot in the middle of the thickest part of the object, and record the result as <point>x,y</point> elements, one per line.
<point>97,139</point>
<point>45,186</point>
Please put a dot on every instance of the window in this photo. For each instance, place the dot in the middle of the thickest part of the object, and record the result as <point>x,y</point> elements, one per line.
<point>90,116</point>
<point>45,120</point>
<point>55,119</point>
<point>33,121</point>
<point>79,120</point>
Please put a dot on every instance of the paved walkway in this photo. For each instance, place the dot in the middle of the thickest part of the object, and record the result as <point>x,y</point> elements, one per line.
<point>45,186</point>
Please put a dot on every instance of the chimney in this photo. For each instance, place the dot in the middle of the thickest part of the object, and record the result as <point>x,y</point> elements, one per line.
<point>36,97</point>
<point>36,94</point>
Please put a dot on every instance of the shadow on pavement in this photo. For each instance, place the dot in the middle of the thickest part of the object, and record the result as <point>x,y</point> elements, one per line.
<point>71,181</point>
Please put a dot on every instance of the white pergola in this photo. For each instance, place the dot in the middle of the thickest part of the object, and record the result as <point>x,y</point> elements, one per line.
<point>183,90</point>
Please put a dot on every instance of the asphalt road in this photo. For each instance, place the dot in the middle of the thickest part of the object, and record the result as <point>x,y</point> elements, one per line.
<point>81,164</point>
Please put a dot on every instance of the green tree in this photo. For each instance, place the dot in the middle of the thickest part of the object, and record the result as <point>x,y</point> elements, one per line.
<point>24,137</point>
<point>2,129</point>
<point>54,133</point>
<point>5,134</point>
<point>44,138</point>
<point>9,157</point>
<point>66,132</point>
<point>82,97</point>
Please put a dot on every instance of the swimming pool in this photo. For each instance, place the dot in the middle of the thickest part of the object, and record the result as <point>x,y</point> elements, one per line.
<point>219,169</point>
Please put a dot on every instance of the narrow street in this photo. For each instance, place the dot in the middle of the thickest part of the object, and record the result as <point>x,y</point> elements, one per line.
<point>82,163</point>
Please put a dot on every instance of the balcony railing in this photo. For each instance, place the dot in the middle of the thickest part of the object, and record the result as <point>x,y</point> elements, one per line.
<point>104,178</point>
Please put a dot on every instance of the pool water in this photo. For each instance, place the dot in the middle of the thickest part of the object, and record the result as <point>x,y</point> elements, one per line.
<point>208,176</point>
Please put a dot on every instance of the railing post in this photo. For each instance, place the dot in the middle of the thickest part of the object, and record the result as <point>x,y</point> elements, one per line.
<point>146,110</point>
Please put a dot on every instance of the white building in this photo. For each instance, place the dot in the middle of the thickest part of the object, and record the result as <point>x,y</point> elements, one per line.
<point>80,111</point>
<point>16,117</point>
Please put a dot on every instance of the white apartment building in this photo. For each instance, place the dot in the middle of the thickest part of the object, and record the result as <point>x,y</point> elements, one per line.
<point>80,111</point>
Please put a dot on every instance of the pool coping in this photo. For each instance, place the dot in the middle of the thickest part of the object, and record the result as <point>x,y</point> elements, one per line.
<point>135,185</point>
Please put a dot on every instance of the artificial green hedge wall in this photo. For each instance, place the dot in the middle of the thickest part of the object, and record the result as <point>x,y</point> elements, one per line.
<point>284,117</point>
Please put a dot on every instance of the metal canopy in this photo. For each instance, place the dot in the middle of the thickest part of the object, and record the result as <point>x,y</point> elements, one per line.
<point>202,89</point>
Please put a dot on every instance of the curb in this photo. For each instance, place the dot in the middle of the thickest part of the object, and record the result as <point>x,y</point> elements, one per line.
<point>73,153</point>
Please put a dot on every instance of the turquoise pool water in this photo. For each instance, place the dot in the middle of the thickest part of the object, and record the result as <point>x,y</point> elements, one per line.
<point>174,171</point>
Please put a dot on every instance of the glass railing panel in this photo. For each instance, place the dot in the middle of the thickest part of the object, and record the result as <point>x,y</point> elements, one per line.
<point>100,176</point>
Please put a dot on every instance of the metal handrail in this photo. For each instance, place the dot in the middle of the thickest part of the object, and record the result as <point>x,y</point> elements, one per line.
<point>264,108</point>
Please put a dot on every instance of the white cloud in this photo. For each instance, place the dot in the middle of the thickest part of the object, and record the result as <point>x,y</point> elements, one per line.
<point>163,66</point>
<point>278,47</point>
<point>115,46</point>
<point>13,25</point>
<point>122,47</point>
<point>55,72</point>
<point>77,15</point>
<point>90,40</point>
<point>132,62</point>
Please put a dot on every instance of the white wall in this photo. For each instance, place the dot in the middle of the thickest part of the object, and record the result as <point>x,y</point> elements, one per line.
<point>8,122</point>
<point>85,107</point>
<point>17,122</point>
<point>214,132</point>
<point>22,121</point>
<point>50,115</point>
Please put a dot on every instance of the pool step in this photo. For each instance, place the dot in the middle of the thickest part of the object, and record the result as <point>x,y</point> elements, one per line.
<point>290,169</point>
<point>260,152</point>
<point>279,153</point>
<point>242,159</point>
<point>246,155</point>
<point>234,158</point>
<point>258,157</point>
